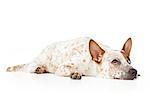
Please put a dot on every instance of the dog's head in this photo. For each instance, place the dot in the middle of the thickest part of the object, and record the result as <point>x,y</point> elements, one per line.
<point>112,63</point>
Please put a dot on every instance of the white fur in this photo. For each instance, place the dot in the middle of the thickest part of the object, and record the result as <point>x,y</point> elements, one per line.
<point>63,58</point>
<point>61,54</point>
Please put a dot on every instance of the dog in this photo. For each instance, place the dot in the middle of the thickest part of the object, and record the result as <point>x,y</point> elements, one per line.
<point>82,57</point>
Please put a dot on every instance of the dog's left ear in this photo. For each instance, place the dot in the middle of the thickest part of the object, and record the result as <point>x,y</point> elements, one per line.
<point>127,47</point>
<point>96,51</point>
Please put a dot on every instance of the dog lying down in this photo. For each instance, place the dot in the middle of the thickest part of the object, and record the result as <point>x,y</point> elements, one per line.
<point>82,57</point>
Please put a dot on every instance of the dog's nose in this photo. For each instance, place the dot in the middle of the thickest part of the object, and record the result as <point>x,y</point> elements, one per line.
<point>133,73</point>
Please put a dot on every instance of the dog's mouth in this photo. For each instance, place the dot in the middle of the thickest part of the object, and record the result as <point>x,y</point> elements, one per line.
<point>125,78</point>
<point>117,78</point>
<point>128,78</point>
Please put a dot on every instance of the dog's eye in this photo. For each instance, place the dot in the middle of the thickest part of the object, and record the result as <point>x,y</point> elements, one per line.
<point>116,62</point>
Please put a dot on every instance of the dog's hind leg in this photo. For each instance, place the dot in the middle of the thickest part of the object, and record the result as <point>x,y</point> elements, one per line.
<point>41,69</point>
<point>31,68</point>
<point>15,68</point>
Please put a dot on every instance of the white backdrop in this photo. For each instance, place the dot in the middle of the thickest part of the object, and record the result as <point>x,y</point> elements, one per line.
<point>26,27</point>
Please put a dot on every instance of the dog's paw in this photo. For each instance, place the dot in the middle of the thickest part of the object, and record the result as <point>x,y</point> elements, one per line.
<point>10,69</point>
<point>75,76</point>
<point>41,70</point>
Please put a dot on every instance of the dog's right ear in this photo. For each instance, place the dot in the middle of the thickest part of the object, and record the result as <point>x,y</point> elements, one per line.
<point>96,51</point>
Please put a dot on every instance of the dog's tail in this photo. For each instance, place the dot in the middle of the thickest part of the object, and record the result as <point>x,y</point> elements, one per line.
<point>15,68</point>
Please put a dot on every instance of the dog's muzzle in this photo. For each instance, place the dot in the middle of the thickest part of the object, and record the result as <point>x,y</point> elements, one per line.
<point>130,75</point>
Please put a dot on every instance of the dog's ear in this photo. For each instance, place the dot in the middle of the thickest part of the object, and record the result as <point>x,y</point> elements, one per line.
<point>127,47</point>
<point>96,51</point>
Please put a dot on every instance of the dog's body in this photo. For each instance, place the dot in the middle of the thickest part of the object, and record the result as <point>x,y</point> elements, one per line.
<point>81,56</point>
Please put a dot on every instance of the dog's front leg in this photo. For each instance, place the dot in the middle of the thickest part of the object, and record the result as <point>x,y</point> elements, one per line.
<point>68,70</point>
<point>75,76</point>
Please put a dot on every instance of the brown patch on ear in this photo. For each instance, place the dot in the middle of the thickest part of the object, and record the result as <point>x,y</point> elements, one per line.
<point>127,47</point>
<point>126,57</point>
<point>96,51</point>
